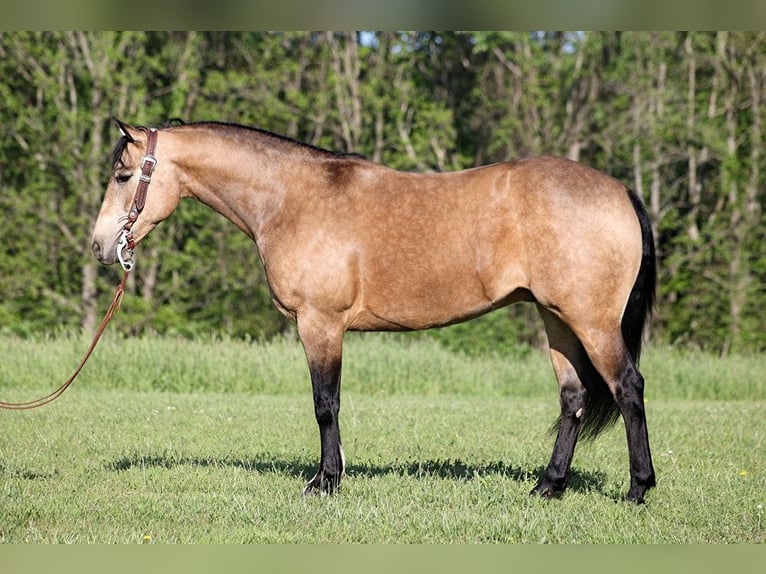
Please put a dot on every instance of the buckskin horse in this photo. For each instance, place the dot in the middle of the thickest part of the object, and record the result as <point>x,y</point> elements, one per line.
<point>349,244</point>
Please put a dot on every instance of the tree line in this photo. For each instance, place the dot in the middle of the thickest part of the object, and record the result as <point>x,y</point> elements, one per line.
<point>677,116</point>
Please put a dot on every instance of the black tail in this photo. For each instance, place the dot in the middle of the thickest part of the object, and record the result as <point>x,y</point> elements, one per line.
<point>641,300</point>
<point>601,411</point>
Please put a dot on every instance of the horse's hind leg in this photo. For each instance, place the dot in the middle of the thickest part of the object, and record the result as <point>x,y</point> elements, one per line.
<point>611,358</point>
<point>567,357</point>
<point>323,347</point>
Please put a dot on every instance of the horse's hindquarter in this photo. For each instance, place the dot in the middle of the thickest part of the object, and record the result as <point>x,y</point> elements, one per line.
<point>582,239</point>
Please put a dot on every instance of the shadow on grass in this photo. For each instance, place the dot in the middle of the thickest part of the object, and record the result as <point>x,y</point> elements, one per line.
<point>582,481</point>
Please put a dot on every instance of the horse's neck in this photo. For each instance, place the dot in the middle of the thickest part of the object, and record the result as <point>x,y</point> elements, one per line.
<point>244,183</point>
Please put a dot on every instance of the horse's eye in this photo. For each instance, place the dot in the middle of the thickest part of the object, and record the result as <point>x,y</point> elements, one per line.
<point>122,177</point>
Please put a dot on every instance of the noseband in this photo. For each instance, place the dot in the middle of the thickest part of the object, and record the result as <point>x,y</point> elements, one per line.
<point>127,242</point>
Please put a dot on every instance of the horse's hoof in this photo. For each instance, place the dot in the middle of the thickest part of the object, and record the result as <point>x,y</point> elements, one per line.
<point>320,485</point>
<point>545,493</point>
<point>638,489</point>
<point>635,497</point>
<point>311,490</point>
<point>545,489</point>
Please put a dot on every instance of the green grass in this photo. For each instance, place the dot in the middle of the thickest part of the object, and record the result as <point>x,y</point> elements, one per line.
<point>165,440</point>
<point>375,364</point>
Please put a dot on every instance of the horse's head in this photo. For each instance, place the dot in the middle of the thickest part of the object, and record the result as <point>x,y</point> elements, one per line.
<point>162,195</point>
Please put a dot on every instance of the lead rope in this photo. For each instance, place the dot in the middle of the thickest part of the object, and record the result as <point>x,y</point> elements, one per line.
<point>126,244</point>
<point>116,300</point>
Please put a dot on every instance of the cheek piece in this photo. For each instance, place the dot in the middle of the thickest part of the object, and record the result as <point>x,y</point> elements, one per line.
<point>126,243</point>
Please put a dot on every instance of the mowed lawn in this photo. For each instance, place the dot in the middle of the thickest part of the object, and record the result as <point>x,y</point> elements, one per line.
<point>212,442</point>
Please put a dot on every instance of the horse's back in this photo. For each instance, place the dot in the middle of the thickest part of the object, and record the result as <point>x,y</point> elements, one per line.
<point>440,248</point>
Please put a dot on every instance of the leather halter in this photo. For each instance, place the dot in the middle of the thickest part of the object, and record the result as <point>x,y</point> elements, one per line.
<point>148,163</point>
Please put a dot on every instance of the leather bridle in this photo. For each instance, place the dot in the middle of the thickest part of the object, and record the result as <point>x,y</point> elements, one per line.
<point>125,243</point>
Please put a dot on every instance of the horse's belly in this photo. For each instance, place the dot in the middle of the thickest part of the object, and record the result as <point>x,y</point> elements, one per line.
<point>403,306</point>
<point>381,320</point>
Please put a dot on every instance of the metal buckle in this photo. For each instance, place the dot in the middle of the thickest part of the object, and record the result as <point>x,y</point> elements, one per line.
<point>122,245</point>
<point>151,159</point>
<point>147,177</point>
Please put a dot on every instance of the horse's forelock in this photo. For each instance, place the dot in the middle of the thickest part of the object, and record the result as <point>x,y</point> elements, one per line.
<point>118,150</point>
<point>121,146</point>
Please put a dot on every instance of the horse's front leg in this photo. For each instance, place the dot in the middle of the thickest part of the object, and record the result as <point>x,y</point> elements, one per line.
<point>323,346</point>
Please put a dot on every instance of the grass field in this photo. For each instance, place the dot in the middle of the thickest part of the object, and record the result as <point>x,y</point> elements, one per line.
<point>165,440</point>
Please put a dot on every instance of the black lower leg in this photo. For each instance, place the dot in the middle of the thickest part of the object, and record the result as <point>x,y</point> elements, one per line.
<point>554,481</point>
<point>326,384</point>
<point>631,402</point>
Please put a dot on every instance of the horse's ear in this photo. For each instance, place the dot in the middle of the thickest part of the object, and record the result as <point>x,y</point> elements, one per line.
<point>126,130</point>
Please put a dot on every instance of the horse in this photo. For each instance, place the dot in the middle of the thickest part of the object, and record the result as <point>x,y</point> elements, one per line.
<point>349,244</point>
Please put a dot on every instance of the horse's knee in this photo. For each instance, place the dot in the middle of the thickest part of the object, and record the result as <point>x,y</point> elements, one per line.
<point>628,390</point>
<point>326,410</point>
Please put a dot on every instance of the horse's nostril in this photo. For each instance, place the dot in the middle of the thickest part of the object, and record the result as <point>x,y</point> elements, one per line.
<point>97,250</point>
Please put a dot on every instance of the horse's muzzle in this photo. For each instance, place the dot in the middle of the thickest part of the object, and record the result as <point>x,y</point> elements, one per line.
<point>102,256</point>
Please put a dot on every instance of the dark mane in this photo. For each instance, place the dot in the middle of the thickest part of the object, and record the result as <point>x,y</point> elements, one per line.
<point>123,142</point>
<point>277,137</point>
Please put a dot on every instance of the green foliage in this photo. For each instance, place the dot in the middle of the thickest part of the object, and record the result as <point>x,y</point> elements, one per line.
<point>659,110</point>
<point>512,332</point>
